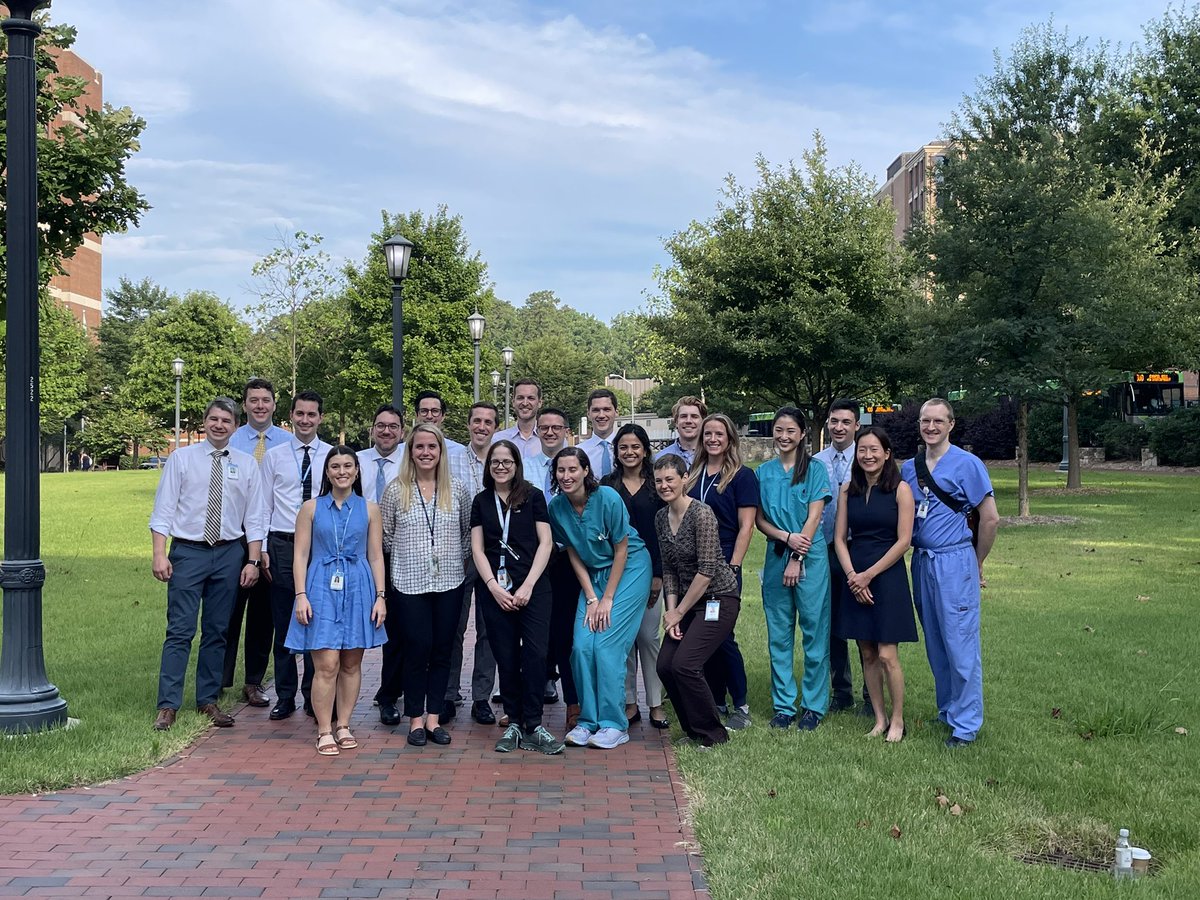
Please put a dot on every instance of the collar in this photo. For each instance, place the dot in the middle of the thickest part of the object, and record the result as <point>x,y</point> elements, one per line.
<point>299,447</point>
<point>329,501</point>
<point>211,447</point>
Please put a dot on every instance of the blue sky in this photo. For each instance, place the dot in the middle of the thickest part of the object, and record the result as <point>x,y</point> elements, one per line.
<point>571,137</point>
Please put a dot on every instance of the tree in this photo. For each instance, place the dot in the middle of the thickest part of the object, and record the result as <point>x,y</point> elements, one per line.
<point>208,336</point>
<point>128,306</point>
<point>567,373</point>
<point>791,292</point>
<point>81,163</point>
<point>634,346</point>
<point>1051,276</point>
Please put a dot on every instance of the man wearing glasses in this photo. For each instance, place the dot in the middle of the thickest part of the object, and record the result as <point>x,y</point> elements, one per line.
<point>948,483</point>
<point>379,464</point>
<point>431,408</point>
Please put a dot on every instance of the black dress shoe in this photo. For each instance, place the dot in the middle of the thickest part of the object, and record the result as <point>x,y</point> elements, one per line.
<point>416,737</point>
<point>481,713</point>
<point>549,693</point>
<point>955,743</point>
<point>449,711</point>
<point>282,710</point>
<point>837,704</point>
<point>440,735</point>
<point>388,714</point>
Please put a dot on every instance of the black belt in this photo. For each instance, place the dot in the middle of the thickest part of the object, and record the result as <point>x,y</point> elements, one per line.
<point>287,536</point>
<point>191,543</point>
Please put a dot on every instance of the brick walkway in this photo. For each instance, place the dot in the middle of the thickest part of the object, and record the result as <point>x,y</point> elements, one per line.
<point>252,811</point>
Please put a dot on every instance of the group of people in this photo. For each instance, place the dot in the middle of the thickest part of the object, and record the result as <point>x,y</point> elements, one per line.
<point>581,565</point>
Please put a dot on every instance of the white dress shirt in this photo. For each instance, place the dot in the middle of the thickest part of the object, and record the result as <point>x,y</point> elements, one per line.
<point>281,481</point>
<point>468,468</point>
<point>597,448</point>
<point>529,446</point>
<point>181,501</point>
<point>829,456</point>
<point>368,465</point>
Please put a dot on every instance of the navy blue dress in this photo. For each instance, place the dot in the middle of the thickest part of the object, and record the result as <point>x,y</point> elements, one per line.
<point>871,532</point>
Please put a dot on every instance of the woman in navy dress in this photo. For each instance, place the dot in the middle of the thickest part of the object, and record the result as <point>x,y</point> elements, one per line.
<point>340,611</point>
<point>872,534</point>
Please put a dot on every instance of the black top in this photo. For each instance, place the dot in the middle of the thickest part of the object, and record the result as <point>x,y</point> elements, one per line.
<point>642,508</point>
<point>522,531</point>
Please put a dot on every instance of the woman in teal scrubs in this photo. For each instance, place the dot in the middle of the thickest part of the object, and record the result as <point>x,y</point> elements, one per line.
<point>613,567</point>
<point>792,496</point>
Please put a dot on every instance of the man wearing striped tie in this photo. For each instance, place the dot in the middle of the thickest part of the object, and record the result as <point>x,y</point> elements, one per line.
<point>379,464</point>
<point>291,474</point>
<point>208,501</point>
<point>256,437</point>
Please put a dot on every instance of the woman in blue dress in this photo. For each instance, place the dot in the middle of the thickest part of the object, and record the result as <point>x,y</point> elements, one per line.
<point>340,611</point>
<point>613,567</point>
<point>793,492</point>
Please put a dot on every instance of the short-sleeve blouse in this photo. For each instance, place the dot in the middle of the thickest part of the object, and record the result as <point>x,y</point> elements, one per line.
<point>594,533</point>
<point>742,492</point>
<point>522,531</point>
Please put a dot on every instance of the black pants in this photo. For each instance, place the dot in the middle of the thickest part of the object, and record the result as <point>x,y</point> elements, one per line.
<point>519,642</point>
<point>283,603</point>
<point>725,671</point>
<point>483,668</point>
<point>253,604</point>
<point>681,668</point>
<point>391,676</point>
<point>429,623</point>
<point>564,587</point>
<point>840,674</point>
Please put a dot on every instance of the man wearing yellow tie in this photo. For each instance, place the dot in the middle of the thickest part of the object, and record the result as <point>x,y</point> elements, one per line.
<point>256,437</point>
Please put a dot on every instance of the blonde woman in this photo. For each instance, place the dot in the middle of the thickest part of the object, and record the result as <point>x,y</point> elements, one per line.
<point>719,480</point>
<point>426,528</point>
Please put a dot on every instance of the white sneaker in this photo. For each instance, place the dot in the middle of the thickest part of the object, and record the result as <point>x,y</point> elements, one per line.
<point>578,737</point>
<point>608,738</point>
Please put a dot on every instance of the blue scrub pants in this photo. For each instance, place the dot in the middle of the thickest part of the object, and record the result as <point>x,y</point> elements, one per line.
<point>946,593</point>
<point>808,604</point>
<point>598,658</point>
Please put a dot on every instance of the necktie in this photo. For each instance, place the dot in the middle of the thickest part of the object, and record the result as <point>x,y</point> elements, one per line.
<point>549,477</point>
<point>306,477</point>
<point>606,461</point>
<point>839,467</point>
<point>261,447</point>
<point>212,516</point>
<point>380,479</point>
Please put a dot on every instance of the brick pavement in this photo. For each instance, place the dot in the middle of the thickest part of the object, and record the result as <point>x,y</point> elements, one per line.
<point>252,811</point>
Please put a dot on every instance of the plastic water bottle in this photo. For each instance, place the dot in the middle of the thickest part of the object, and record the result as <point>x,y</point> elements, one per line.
<point>1123,861</point>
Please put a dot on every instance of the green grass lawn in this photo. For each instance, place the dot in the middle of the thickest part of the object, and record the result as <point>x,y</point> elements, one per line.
<point>1094,619</point>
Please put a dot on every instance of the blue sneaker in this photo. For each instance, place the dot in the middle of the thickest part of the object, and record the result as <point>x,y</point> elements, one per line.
<point>782,721</point>
<point>608,739</point>
<point>578,737</point>
<point>954,743</point>
<point>808,720</point>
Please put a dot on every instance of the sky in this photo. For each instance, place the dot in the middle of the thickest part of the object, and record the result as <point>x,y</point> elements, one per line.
<point>572,138</point>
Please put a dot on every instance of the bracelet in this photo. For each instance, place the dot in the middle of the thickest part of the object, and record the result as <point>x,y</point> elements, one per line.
<point>489,581</point>
<point>302,594</point>
<point>381,593</point>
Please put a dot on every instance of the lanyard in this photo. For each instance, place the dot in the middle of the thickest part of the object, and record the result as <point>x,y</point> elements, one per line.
<point>705,487</point>
<point>504,513</point>
<point>340,543</point>
<point>430,524</point>
<point>298,459</point>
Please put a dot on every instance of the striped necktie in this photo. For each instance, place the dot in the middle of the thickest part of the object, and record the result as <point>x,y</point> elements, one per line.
<point>306,476</point>
<point>216,483</point>
<point>380,478</point>
<point>261,447</point>
<point>839,467</point>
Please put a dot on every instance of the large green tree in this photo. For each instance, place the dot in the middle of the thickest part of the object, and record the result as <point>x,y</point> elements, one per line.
<point>792,292</point>
<point>127,306</point>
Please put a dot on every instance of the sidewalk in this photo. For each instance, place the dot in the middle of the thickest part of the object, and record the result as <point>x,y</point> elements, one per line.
<point>252,811</point>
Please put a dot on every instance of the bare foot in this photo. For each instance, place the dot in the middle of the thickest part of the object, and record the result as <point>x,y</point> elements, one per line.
<point>895,731</point>
<point>880,728</point>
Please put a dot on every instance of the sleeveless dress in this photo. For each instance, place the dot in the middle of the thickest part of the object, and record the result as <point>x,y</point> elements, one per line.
<point>341,620</point>
<point>871,532</point>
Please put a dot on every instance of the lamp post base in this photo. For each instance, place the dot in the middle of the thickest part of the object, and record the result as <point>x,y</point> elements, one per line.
<point>28,701</point>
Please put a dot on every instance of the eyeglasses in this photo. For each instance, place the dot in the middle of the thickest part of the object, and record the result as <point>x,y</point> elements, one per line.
<point>938,422</point>
<point>552,427</point>
<point>502,463</point>
<point>388,426</point>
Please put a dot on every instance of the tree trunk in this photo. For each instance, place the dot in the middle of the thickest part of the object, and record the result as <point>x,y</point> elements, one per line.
<point>135,455</point>
<point>1074,479</point>
<point>1023,458</point>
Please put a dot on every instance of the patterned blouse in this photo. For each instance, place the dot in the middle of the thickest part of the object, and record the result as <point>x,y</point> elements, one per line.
<point>695,549</point>
<point>414,537</point>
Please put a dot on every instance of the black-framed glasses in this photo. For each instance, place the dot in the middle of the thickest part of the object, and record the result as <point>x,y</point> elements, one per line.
<point>388,426</point>
<point>502,463</point>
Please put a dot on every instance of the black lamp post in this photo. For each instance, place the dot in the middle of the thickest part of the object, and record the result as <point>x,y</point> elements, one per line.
<point>1065,464</point>
<point>475,323</point>
<point>177,368</point>
<point>507,353</point>
<point>495,386</point>
<point>27,698</point>
<point>398,251</point>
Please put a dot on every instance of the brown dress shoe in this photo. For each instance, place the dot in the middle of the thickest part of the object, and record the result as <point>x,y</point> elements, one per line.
<point>573,715</point>
<point>165,719</point>
<point>220,719</point>
<point>253,694</point>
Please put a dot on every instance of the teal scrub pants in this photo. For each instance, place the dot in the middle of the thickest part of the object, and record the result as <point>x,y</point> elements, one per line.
<point>808,604</point>
<point>598,657</point>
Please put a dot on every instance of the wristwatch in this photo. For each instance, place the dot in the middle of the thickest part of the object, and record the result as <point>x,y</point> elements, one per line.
<point>257,563</point>
<point>592,600</point>
<point>737,568</point>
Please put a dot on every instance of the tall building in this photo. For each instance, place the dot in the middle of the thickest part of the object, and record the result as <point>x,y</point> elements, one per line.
<point>79,288</point>
<point>911,186</point>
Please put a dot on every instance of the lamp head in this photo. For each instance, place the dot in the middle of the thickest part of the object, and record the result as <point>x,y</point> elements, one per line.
<point>177,367</point>
<point>475,323</point>
<point>495,378</point>
<point>507,353</point>
<point>398,251</point>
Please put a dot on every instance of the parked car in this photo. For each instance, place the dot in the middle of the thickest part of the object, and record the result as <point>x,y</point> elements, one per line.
<point>153,462</point>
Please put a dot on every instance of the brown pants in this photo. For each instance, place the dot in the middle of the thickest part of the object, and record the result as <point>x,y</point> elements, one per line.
<point>681,668</point>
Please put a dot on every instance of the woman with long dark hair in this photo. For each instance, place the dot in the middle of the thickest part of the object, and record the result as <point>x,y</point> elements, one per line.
<point>633,479</point>
<point>340,612</point>
<point>795,586</point>
<point>872,533</point>
<point>613,568</point>
<point>511,544</point>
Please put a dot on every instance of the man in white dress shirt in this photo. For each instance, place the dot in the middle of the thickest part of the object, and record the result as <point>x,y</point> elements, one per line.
<point>838,457</point>
<point>431,408</point>
<point>379,465</point>
<point>527,400</point>
<point>291,474</point>
<point>208,499</point>
<point>602,414</point>
<point>256,437</point>
<point>687,415</point>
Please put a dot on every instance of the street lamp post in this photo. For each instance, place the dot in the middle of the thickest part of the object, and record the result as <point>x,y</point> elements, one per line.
<point>475,323</point>
<point>28,701</point>
<point>177,368</point>
<point>398,251</point>
<point>507,354</point>
<point>1065,464</point>
<point>632,396</point>
<point>495,386</point>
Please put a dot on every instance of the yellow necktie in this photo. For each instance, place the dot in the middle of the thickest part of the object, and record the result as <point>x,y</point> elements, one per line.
<point>261,447</point>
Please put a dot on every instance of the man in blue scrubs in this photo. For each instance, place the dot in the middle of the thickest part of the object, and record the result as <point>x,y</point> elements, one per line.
<point>947,570</point>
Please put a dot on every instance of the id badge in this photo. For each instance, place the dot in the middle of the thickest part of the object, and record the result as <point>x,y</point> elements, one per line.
<point>337,582</point>
<point>503,579</point>
<point>712,610</point>
<point>801,570</point>
<point>231,472</point>
<point>923,509</point>
<point>433,566</point>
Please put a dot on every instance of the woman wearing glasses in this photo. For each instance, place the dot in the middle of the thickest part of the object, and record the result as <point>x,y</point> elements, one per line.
<point>511,545</point>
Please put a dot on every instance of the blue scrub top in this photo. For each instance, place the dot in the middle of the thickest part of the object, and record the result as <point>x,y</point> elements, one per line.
<point>964,477</point>
<point>741,492</point>
<point>596,533</point>
<point>786,504</point>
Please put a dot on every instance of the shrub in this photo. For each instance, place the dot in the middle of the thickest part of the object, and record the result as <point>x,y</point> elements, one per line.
<point>1045,428</point>
<point>992,434</point>
<point>1122,440</point>
<point>1176,438</point>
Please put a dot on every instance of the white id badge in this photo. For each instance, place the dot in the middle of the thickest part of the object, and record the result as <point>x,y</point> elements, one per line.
<point>712,610</point>
<point>923,509</point>
<point>337,582</point>
<point>433,566</point>
<point>231,472</point>
<point>504,580</point>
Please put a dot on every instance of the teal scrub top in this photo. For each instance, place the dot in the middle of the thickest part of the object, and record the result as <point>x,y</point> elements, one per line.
<point>596,533</point>
<point>786,504</point>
